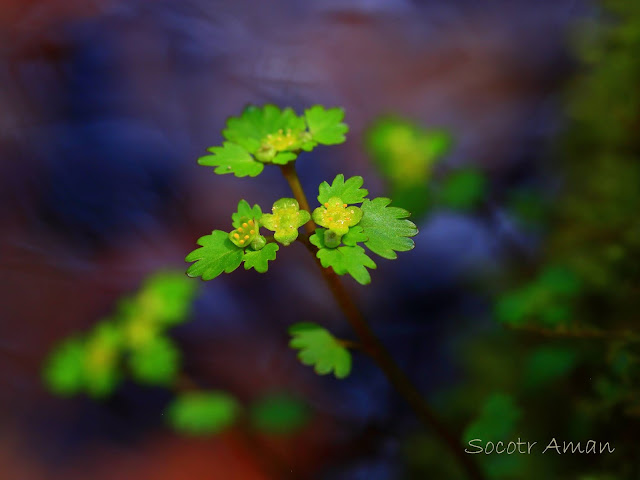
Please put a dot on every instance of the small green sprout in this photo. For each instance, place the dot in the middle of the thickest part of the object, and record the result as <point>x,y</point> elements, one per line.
<point>285,220</point>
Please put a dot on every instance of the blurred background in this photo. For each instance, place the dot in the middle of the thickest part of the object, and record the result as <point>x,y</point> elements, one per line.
<point>514,313</point>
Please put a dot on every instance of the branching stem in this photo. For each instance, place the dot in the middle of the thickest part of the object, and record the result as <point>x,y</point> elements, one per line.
<point>373,346</point>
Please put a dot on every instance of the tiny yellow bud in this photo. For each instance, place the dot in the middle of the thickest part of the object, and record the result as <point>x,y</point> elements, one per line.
<point>244,225</point>
<point>246,237</point>
<point>235,235</point>
<point>252,232</point>
<point>241,242</point>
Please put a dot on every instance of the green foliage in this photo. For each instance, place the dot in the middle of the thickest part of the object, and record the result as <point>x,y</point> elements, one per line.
<point>202,413</point>
<point>351,260</point>
<point>463,189</point>
<point>404,152</point>
<point>285,220</point>
<point>64,371</point>
<point>268,135</point>
<point>279,414</point>
<point>164,299</point>
<point>231,158</point>
<point>547,299</point>
<point>321,349</point>
<point>258,260</point>
<point>245,210</point>
<point>155,363</point>
<point>135,335</point>
<point>496,420</point>
<point>354,235</point>
<point>349,192</point>
<point>101,362</point>
<point>547,364</point>
<point>216,255</point>
<point>386,227</point>
<point>325,126</point>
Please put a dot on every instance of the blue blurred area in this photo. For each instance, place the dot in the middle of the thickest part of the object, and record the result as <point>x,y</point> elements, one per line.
<point>101,133</point>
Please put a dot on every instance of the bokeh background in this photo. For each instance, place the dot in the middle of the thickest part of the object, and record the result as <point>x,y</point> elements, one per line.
<point>105,107</point>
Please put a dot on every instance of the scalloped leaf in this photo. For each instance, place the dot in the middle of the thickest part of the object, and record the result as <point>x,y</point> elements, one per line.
<point>349,192</point>
<point>259,259</point>
<point>216,255</point>
<point>387,228</point>
<point>351,260</point>
<point>250,129</point>
<point>320,349</point>
<point>354,236</point>
<point>325,125</point>
<point>232,158</point>
<point>245,210</point>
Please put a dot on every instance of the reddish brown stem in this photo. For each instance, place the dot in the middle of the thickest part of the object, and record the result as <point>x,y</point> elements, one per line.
<point>374,347</point>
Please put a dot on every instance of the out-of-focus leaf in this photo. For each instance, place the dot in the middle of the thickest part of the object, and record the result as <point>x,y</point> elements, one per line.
<point>203,413</point>
<point>463,190</point>
<point>64,369</point>
<point>321,349</point>
<point>155,363</point>
<point>548,364</point>
<point>279,414</point>
<point>496,420</point>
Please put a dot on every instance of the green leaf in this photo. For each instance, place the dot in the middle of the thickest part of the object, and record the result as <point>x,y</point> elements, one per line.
<point>279,414</point>
<point>405,152</point>
<point>245,210</point>
<point>321,349</point>
<point>326,126</point>
<point>560,280</point>
<point>351,260</point>
<point>349,191</point>
<point>463,190</point>
<point>259,259</point>
<point>102,357</point>
<point>216,255</point>
<point>354,236</point>
<point>155,363</point>
<point>250,130</point>
<point>285,221</point>
<point>386,227</point>
<point>232,158</point>
<point>202,413</point>
<point>63,372</point>
<point>496,420</point>
<point>165,298</point>
<point>548,364</point>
